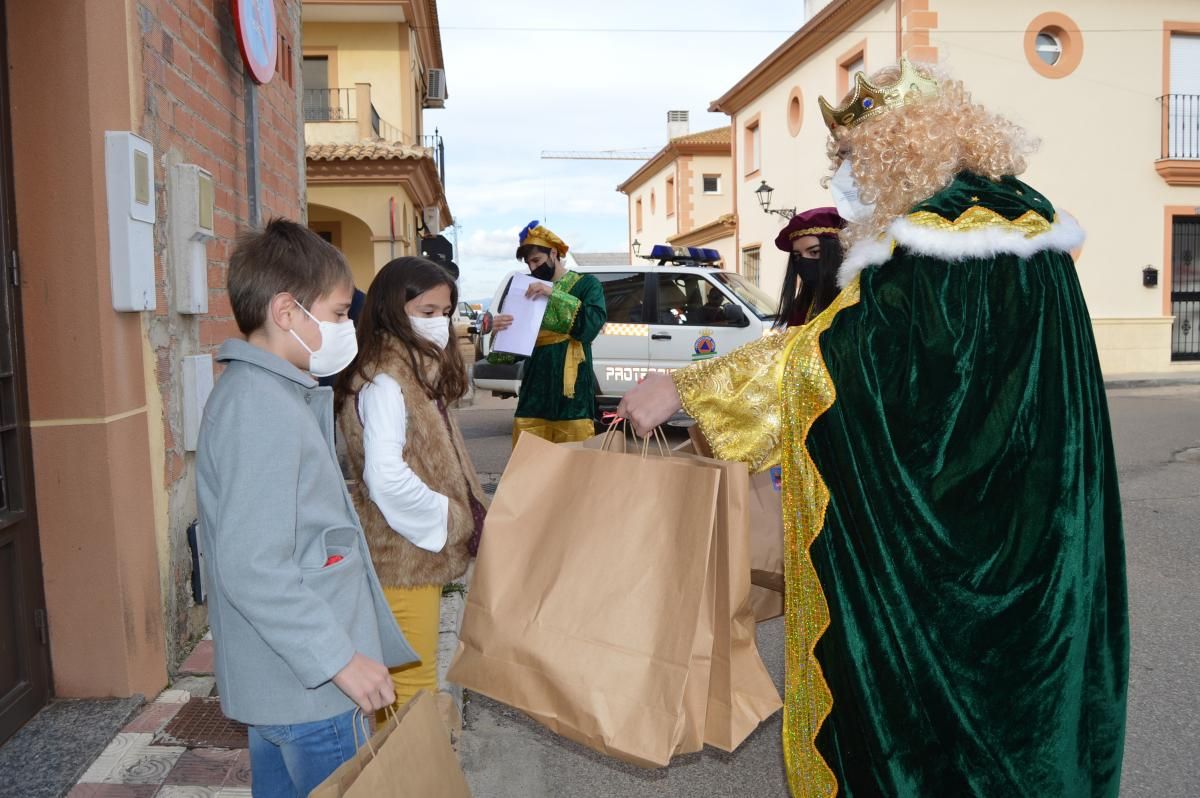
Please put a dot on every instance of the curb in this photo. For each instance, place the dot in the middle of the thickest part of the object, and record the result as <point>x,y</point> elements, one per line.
<point>1152,382</point>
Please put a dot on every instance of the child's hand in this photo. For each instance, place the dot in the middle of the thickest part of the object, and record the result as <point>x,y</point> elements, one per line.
<point>366,683</point>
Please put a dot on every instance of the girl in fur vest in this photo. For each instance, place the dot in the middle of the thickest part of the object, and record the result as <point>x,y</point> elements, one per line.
<point>417,494</point>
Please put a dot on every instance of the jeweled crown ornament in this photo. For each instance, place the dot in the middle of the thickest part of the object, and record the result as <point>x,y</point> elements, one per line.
<point>869,100</point>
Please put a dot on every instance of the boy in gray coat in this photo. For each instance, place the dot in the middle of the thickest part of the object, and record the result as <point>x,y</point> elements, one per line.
<point>302,631</point>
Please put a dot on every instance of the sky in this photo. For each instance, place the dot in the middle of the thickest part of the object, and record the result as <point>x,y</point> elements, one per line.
<point>602,79</point>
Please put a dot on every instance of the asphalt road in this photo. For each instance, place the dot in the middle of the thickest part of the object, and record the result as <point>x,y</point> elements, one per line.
<point>1156,433</point>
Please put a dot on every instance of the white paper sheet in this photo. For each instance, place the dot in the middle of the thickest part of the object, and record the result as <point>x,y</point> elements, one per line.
<point>527,317</point>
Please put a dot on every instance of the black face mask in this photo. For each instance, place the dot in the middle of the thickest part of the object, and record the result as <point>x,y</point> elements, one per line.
<point>544,272</point>
<point>807,269</point>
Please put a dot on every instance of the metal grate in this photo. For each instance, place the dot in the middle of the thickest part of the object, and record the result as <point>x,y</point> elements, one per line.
<point>1185,288</point>
<point>201,724</point>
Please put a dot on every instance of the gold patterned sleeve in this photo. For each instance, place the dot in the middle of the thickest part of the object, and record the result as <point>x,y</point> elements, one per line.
<point>735,401</point>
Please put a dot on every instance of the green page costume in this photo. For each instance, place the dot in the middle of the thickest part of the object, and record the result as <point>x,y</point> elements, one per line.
<point>956,598</point>
<point>550,400</point>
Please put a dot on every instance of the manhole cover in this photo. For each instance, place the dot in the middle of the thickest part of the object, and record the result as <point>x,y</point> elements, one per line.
<point>201,724</point>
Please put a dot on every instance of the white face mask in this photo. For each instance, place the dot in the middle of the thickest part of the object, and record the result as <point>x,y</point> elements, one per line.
<point>845,195</point>
<point>435,329</point>
<point>337,348</point>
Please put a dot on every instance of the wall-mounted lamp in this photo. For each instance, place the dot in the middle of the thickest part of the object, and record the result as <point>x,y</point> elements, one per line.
<point>1149,276</point>
<point>763,192</point>
<point>637,248</point>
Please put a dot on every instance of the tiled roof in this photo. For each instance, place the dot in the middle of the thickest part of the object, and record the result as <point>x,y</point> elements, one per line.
<point>720,135</point>
<point>364,150</point>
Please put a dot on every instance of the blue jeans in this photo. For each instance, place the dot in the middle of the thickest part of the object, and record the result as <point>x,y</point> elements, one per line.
<point>290,761</point>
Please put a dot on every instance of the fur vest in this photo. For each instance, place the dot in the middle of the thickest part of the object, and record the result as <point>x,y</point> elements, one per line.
<point>437,454</point>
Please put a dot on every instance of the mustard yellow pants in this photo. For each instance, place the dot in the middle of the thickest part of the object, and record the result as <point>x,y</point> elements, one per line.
<point>418,612</point>
<point>579,429</point>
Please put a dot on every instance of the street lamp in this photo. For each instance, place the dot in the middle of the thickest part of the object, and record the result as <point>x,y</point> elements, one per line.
<point>764,192</point>
<point>637,248</point>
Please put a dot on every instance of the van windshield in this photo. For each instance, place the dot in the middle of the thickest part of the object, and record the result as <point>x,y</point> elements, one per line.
<point>759,301</point>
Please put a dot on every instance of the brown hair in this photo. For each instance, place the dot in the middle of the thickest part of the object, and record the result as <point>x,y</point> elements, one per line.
<point>383,326</point>
<point>282,258</point>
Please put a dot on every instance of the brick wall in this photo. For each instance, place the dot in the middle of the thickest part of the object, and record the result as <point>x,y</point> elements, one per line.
<point>194,112</point>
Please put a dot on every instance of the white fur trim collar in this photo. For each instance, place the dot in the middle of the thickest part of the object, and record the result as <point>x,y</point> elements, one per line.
<point>1063,236</point>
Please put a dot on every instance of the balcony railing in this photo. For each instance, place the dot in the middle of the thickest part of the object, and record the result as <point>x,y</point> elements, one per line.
<point>436,144</point>
<point>1181,126</point>
<point>329,105</point>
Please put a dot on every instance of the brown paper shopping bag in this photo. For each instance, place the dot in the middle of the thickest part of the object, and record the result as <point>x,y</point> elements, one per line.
<point>586,601</point>
<point>741,693</point>
<point>766,528</point>
<point>408,757</point>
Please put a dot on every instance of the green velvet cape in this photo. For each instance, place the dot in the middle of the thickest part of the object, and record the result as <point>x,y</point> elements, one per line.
<point>972,555</point>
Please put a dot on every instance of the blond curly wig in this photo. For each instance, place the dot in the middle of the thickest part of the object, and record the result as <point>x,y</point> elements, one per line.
<point>908,154</point>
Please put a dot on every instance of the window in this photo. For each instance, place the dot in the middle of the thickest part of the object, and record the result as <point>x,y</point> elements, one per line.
<point>670,196</point>
<point>1048,47</point>
<point>691,300</point>
<point>624,293</point>
<point>795,111</point>
<point>753,147</point>
<point>849,64</point>
<point>712,184</point>
<point>750,261</point>
<point>320,104</point>
<point>1053,45</point>
<point>638,213</point>
<point>1182,104</point>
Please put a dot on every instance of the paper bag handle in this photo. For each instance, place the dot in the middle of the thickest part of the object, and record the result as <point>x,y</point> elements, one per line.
<point>660,438</point>
<point>361,718</point>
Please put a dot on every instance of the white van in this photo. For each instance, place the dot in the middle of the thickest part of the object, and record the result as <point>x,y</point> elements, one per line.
<point>661,317</point>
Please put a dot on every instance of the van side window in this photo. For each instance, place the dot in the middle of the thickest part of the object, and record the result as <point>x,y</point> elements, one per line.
<point>624,293</point>
<point>689,299</point>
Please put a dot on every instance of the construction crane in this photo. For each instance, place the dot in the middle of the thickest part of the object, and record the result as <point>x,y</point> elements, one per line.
<point>597,155</point>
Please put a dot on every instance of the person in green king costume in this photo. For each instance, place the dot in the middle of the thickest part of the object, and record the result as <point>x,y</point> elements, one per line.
<point>954,558</point>
<point>558,385</point>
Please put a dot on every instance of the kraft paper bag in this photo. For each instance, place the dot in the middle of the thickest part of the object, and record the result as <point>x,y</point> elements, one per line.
<point>766,529</point>
<point>741,693</point>
<point>767,603</point>
<point>585,609</point>
<point>408,757</point>
<point>766,526</point>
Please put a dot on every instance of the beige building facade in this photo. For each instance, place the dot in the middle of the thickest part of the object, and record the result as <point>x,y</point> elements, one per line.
<point>683,196</point>
<point>1115,101</point>
<point>375,175</point>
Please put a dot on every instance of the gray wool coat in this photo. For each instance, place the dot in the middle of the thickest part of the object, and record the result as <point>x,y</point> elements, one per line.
<point>273,508</point>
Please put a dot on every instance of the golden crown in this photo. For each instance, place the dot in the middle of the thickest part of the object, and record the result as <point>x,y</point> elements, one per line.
<point>869,100</point>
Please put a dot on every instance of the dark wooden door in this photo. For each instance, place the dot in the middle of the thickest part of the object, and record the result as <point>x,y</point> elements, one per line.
<point>24,652</point>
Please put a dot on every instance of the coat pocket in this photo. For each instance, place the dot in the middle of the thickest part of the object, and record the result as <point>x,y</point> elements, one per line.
<point>343,584</point>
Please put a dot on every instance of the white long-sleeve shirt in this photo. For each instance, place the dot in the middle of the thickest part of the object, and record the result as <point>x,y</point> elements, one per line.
<point>410,507</point>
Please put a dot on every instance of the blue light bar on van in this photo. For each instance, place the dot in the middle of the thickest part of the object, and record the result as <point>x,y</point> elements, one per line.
<point>664,253</point>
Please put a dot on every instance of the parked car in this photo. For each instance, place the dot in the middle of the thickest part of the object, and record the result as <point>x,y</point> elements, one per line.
<point>662,315</point>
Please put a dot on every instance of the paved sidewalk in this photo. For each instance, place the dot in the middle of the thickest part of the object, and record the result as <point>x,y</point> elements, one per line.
<point>148,758</point>
<point>182,746</point>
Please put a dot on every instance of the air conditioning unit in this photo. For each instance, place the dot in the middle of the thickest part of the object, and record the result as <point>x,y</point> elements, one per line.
<point>435,88</point>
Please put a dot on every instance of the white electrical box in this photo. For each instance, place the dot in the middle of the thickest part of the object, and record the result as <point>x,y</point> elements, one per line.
<point>191,201</point>
<point>129,179</point>
<point>197,385</point>
<point>432,219</point>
